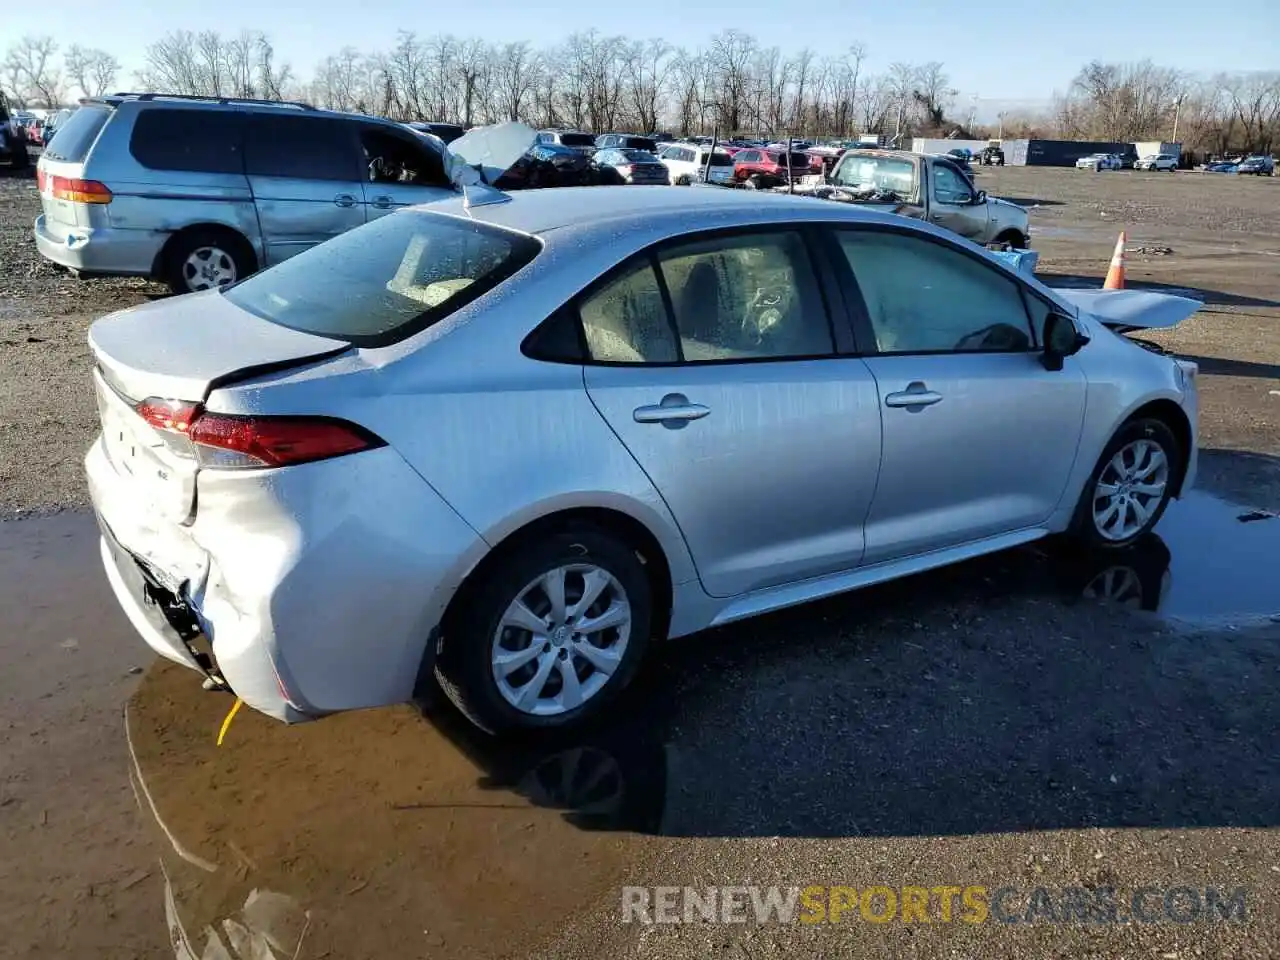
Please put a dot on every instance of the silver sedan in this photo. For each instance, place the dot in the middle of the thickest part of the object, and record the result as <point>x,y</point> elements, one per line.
<point>508,440</point>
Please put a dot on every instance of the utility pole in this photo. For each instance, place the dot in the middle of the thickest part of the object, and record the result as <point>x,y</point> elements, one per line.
<point>1177,109</point>
<point>1000,117</point>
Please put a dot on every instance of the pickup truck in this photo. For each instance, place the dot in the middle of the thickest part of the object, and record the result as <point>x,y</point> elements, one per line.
<point>926,187</point>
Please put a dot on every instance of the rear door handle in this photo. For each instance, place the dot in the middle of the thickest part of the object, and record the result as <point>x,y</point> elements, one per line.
<point>345,200</point>
<point>675,407</point>
<point>916,395</point>
<point>383,203</point>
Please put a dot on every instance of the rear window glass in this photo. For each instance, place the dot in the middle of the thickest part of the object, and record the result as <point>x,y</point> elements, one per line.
<point>204,141</point>
<point>302,148</point>
<point>386,280</point>
<point>640,143</point>
<point>719,159</point>
<point>577,140</point>
<point>639,156</point>
<point>77,133</point>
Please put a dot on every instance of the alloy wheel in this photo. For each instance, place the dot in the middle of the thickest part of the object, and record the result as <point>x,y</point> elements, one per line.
<point>561,639</point>
<point>1130,490</point>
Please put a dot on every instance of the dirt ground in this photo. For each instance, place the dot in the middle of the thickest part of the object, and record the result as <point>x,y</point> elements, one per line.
<point>981,725</point>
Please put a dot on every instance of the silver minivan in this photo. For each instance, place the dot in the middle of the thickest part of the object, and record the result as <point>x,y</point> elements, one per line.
<point>201,192</point>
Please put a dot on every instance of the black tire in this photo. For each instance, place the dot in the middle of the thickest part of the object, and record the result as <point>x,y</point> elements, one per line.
<point>464,668</point>
<point>1013,238</point>
<point>684,180</point>
<point>1083,525</point>
<point>21,158</point>
<point>231,247</point>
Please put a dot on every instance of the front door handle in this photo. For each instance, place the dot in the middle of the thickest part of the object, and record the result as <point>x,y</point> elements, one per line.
<point>916,395</point>
<point>383,203</point>
<point>674,408</point>
<point>345,200</point>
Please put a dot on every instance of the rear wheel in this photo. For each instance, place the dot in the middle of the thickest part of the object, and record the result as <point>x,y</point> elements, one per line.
<point>207,259</point>
<point>21,159</point>
<point>550,634</point>
<point>683,180</point>
<point>1131,485</point>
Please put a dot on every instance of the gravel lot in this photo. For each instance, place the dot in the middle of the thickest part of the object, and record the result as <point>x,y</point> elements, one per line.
<point>981,725</point>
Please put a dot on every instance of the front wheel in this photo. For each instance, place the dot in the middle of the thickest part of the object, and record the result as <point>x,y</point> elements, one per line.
<point>1131,485</point>
<point>550,634</point>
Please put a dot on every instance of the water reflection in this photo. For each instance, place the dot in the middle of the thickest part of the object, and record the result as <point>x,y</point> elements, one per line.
<point>366,832</point>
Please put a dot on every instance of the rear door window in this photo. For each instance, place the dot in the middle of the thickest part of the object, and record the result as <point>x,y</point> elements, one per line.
<point>202,141</point>
<point>386,280</point>
<point>77,134</point>
<point>302,148</point>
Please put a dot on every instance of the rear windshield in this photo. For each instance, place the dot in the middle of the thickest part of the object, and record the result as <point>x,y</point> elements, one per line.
<point>797,159</point>
<point>387,280</point>
<point>639,156</point>
<point>76,134</point>
<point>640,143</point>
<point>577,140</point>
<point>719,159</point>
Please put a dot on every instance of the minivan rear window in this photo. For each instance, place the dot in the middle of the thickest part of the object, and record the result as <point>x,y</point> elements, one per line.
<point>387,280</point>
<point>77,133</point>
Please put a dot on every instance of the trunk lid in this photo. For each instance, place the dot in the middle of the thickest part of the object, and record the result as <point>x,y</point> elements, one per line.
<point>1125,310</point>
<point>180,349</point>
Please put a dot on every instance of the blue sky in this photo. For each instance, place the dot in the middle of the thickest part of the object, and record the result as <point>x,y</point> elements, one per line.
<point>1014,50</point>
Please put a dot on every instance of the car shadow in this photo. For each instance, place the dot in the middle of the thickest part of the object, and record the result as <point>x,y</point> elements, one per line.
<point>1214,297</point>
<point>1009,693</point>
<point>1223,367</point>
<point>1033,201</point>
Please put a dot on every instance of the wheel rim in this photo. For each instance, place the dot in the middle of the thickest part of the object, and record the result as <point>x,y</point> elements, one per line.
<point>208,267</point>
<point>1118,585</point>
<point>1130,489</point>
<point>561,639</point>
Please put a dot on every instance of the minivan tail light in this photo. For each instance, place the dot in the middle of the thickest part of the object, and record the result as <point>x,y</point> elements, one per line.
<point>234,441</point>
<point>78,191</point>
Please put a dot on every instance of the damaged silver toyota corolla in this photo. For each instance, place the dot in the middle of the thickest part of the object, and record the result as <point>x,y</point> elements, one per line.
<point>509,439</point>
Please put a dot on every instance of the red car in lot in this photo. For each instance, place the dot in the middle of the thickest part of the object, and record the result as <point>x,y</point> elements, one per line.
<point>770,168</point>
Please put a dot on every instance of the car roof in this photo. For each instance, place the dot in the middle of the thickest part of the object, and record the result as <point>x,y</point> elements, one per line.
<point>585,208</point>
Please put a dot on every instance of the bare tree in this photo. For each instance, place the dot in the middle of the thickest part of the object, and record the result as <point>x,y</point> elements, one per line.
<point>1254,100</point>
<point>92,71</point>
<point>515,79</point>
<point>32,72</point>
<point>648,66</point>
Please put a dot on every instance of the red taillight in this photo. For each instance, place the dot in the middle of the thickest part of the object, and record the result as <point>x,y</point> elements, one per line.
<point>278,441</point>
<point>234,441</point>
<point>76,191</point>
<point>173,415</point>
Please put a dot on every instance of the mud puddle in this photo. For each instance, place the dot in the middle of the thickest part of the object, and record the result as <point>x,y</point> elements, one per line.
<point>406,832</point>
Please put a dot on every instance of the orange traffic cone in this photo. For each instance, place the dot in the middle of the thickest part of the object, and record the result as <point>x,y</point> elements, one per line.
<point>1115,276</point>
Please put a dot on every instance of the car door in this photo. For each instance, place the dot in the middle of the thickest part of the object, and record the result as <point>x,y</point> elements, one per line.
<point>713,361</point>
<point>306,177</point>
<point>979,438</point>
<point>952,202</point>
<point>400,171</point>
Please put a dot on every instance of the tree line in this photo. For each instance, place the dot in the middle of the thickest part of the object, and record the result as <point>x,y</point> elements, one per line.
<point>734,84</point>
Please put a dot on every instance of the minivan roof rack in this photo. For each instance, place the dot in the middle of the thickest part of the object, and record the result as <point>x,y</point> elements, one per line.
<point>214,99</point>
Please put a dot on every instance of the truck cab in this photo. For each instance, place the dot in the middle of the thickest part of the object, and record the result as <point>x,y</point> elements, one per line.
<point>929,187</point>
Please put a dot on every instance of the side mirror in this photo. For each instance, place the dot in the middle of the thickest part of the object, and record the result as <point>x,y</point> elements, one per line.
<point>981,197</point>
<point>1061,340</point>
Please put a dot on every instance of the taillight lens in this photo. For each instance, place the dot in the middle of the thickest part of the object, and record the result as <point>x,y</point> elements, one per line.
<point>73,190</point>
<point>232,441</point>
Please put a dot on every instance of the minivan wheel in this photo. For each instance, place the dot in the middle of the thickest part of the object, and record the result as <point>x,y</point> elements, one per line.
<point>1131,485</point>
<point>207,260</point>
<point>550,635</point>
